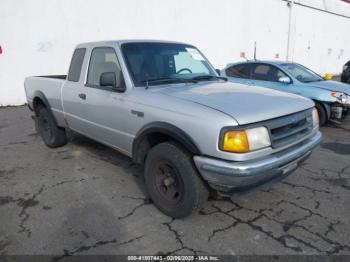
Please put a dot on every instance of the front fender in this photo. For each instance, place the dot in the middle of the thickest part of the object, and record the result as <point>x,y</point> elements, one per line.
<point>315,93</point>
<point>167,129</point>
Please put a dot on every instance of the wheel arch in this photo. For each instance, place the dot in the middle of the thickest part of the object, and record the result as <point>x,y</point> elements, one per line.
<point>158,132</point>
<point>40,98</point>
<point>326,107</point>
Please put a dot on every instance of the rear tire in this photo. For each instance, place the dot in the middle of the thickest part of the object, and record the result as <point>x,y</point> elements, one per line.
<point>322,114</point>
<point>52,135</point>
<point>173,182</point>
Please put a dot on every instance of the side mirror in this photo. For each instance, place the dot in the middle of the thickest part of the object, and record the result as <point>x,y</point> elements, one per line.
<point>218,71</point>
<point>284,80</point>
<point>109,79</point>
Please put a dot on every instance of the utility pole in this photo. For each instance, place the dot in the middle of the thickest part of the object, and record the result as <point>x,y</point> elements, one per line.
<point>290,4</point>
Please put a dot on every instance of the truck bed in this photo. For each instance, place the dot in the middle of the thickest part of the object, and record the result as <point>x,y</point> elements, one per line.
<point>49,85</point>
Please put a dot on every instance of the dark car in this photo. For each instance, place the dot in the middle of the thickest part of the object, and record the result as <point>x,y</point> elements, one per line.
<point>345,76</point>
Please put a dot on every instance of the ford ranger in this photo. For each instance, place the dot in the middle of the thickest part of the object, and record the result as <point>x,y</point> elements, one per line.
<point>164,105</point>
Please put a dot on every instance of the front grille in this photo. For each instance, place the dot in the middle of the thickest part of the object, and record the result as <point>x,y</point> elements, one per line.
<point>288,129</point>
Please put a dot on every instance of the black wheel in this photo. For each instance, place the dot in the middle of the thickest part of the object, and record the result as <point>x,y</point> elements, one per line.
<point>322,114</point>
<point>53,135</point>
<point>173,182</point>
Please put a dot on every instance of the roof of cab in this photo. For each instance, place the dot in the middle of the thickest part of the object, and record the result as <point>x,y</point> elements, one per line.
<point>120,42</point>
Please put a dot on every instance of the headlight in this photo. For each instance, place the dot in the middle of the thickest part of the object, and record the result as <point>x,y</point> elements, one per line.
<point>315,118</point>
<point>341,97</point>
<point>243,141</point>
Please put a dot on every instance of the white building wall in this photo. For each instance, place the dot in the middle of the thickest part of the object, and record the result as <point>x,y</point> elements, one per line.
<point>38,36</point>
<point>322,40</point>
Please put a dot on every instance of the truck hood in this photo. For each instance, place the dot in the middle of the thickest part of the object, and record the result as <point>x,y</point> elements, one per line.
<point>332,86</point>
<point>246,104</point>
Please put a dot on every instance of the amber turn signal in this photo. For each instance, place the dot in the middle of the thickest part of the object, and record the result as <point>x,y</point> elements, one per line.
<point>236,141</point>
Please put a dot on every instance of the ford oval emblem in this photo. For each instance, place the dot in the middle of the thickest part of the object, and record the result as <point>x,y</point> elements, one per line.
<point>295,120</point>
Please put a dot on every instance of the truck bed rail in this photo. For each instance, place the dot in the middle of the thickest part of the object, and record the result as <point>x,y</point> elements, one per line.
<point>63,77</point>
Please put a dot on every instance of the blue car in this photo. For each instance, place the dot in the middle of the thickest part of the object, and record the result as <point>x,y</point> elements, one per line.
<point>332,99</point>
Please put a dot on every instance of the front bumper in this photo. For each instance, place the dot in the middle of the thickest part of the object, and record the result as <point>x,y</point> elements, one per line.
<point>340,112</point>
<point>232,178</point>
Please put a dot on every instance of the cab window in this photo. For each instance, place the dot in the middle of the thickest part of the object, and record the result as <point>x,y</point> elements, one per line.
<point>76,65</point>
<point>103,60</point>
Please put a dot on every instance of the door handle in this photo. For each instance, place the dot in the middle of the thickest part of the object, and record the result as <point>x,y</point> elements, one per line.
<point>82,96</point>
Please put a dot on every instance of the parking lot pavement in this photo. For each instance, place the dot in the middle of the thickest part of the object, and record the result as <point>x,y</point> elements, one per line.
<point>85,198</point>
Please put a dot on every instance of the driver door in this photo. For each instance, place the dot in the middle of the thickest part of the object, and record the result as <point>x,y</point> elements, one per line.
<point>101,111</point>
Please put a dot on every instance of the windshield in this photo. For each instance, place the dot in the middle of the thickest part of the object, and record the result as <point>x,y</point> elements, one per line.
<point>301,73</point>
<point>159,63</point>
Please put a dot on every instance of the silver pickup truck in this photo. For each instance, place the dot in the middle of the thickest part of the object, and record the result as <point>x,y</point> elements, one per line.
<point>165,106</point>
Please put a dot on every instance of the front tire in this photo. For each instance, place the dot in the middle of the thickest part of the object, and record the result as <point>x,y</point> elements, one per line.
<point>173,182</point>
<point>52,135</point>
<point>322,114</point>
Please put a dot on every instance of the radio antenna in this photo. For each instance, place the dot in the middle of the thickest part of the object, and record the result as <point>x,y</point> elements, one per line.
<point>255,51</point>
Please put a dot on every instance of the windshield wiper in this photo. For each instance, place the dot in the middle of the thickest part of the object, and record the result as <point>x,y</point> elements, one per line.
<point>166,80</point>
<point>208,77</point>
<point>310,81</point>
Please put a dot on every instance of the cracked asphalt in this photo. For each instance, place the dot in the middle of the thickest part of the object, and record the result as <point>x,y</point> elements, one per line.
<point>85,198</point>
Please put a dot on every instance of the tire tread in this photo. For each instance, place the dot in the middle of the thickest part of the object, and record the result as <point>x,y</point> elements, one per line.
<point>59,134</point>
<point>184,159</point>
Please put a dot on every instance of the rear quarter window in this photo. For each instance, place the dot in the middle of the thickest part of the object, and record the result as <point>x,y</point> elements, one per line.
<point>76,65</point>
